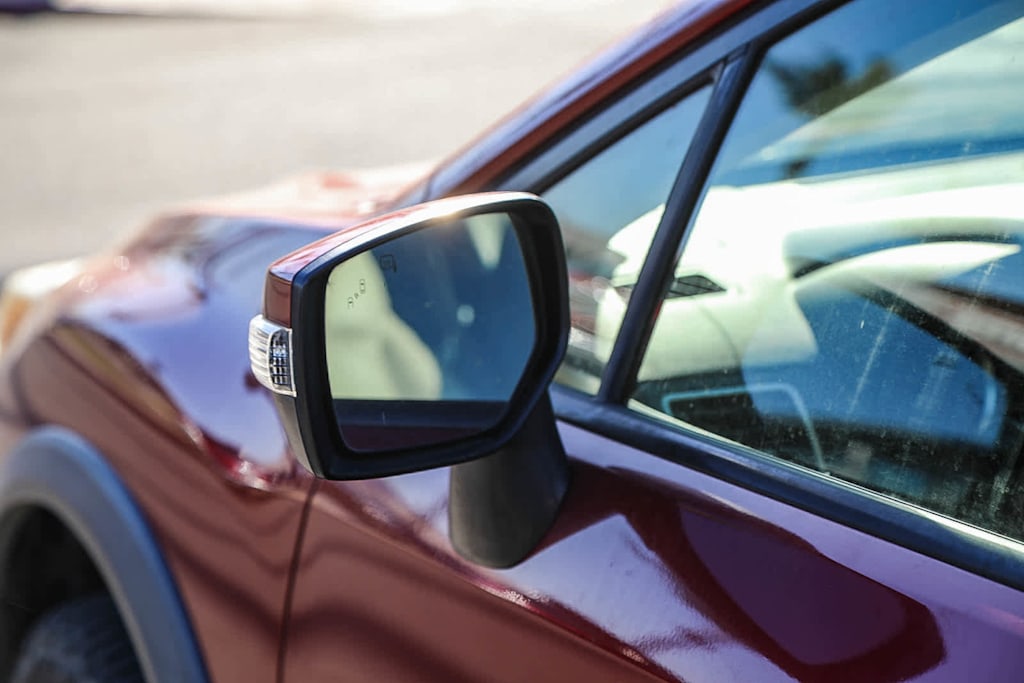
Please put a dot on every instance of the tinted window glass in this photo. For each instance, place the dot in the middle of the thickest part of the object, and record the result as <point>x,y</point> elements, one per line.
<point>851,294</point>
<point>627,182</point>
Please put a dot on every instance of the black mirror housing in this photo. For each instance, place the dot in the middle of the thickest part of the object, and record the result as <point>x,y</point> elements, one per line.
<point>419,339</point>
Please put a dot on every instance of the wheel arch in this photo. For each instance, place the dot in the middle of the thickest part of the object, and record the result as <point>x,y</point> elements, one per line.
<point>54,471</point>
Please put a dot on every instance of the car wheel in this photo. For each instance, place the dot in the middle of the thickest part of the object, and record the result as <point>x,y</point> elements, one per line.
<point>81,641</point>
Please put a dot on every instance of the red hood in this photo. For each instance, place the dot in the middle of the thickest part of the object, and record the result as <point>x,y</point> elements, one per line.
<point>328,198</point>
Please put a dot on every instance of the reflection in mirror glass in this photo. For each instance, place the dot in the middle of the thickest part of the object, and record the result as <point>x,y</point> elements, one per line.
<point>427,335</point>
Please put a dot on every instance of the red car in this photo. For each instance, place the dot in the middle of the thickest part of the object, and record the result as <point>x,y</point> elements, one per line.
<point>753,412</point>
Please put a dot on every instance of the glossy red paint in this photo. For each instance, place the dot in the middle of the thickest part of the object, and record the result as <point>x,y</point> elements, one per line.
<point>327,199</point>
<point>652,572</point>
<point>113,356</point>
<point>188,430</point>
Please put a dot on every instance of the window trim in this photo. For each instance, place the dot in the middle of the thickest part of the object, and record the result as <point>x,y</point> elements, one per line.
<point>948,540</point>
<point>608,127</point>
<point>683,200</point>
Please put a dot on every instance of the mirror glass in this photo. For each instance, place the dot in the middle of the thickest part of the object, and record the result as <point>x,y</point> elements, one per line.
<point>427,335</point>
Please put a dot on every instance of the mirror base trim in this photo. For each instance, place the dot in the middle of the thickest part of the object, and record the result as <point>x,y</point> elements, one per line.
<point>502,505</point>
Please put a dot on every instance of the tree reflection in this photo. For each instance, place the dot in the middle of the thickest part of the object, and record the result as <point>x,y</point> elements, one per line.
<point>817,88</point>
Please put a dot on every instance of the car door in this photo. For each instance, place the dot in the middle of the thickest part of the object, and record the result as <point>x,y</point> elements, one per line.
<point>792,399</point>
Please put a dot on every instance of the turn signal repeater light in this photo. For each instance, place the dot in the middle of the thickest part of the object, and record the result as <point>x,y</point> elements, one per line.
<point>270,355</point>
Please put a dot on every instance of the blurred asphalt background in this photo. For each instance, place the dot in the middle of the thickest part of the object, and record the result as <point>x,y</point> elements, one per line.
<point>106,118</point>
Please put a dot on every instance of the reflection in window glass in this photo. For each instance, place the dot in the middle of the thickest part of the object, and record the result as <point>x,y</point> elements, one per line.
<point>608,209</point>
<point>850,297</point>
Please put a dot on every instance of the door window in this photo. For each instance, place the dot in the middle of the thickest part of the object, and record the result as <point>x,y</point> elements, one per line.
<point>850,296</point>
<point>608,209</point>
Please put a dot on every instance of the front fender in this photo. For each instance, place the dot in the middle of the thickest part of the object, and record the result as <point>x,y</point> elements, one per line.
<point>57,470</point>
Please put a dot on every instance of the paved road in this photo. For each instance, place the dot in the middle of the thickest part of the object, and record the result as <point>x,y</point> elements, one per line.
<point>105,119</point>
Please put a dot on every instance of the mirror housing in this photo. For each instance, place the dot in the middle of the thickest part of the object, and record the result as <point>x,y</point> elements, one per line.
<point>375,381</point>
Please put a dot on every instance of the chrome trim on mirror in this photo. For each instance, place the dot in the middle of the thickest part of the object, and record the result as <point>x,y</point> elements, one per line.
<point>270,355</point>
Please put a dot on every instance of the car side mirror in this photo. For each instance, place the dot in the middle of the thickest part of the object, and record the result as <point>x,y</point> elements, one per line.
<point>422,338</point>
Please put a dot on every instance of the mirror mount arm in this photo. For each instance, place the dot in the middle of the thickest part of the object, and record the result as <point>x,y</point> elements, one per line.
<point>503,504</point>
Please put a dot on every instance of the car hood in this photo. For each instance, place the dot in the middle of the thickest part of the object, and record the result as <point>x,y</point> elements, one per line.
<point>329,198</point>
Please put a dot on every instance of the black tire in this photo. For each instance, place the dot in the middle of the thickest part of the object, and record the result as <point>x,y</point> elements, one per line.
<point>81,641</point>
